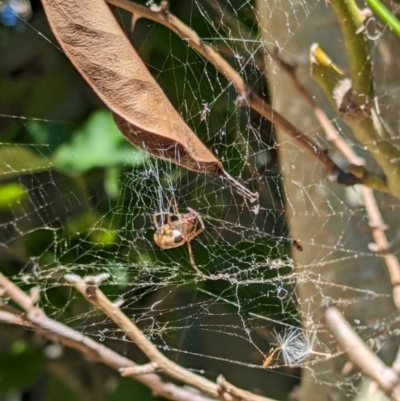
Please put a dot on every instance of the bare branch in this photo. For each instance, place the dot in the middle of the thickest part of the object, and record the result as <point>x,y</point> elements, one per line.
<point>224,387</point>
<point>381,243</point>
<point>376,222</point>
<point>35,319</point>
<point>361,355</point>
<point>88,288</point>
<point>244,95</point>
<point>139,370</point>
<point>290,70</point>
<point>363,119</point>
<point>375,217</point>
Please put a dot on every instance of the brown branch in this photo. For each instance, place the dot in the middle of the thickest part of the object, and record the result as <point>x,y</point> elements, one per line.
<point>376,223</point>
<point>322,118</point>
<point>249,42</point>
<point>374,216</point>
<point>381,245</point>
<point>35,319</point>
<point>89,289</point>
<point>237,394</point>
<point>245,96</point>
<point>361,355</point>
<point>290,70</point>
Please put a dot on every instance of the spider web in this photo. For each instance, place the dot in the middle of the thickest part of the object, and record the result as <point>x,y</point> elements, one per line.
<point>64,210</point>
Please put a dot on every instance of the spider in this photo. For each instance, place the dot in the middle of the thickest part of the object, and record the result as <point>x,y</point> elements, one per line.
<point>178,231</point>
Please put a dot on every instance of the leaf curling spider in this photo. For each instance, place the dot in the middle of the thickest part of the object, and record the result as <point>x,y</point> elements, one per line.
<point>178,231</point>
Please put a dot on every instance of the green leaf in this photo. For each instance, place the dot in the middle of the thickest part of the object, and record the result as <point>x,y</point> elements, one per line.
<point>97,144</point>
<point>11,195</point>
<point>83,222</point>
<point>101,231</point>
<point>111,182</point>
<point>16,160</point>
<point>103,237</point>
<point>52,133</point>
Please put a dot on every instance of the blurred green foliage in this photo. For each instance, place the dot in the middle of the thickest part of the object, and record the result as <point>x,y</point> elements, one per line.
<point>20,366</point>
<point>11,195</point>
<point>97,144</point>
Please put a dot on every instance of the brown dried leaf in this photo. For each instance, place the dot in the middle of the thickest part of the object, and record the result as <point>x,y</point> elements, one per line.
<point>97,46</point>
<point>192,156</point>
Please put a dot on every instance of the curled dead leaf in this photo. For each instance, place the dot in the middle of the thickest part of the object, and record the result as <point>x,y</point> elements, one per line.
<point>196,158</point>
<point>98,48</point>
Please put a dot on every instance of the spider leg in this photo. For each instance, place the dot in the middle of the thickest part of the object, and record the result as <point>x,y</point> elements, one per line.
<point>173,204</point>
<point>191,236</point>
<point>198,220</point>
<point>155,221</point>
<point>192,262</point>
<point>161,214</point>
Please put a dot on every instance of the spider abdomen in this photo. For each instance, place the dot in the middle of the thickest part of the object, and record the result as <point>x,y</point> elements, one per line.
<point>168,237</point>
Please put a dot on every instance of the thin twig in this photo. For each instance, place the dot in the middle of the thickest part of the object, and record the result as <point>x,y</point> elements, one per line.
<point>245,96</point>
<point>290,70</point>
<point>374,216</point>
<point>359,113</point>
<point>35,319</point>
<point>361,355</point>
<point>381,245</point>
<point>250,43</point>
<point>89,289</point>
<point>323,119</point>
<point>224,387</point>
